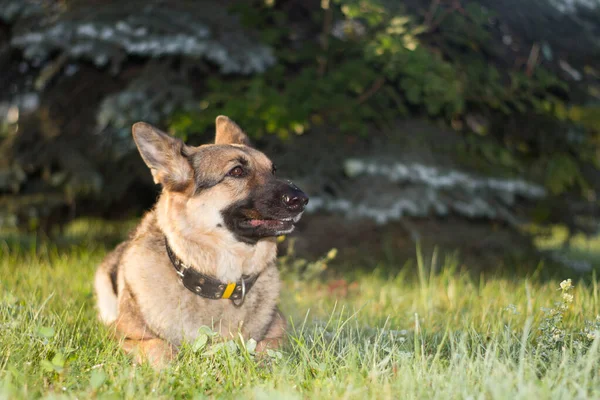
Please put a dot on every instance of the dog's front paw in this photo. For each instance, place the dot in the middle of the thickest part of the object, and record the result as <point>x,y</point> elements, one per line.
<point>268,344</point>
<point>275,334</point>
<point>156,352</point>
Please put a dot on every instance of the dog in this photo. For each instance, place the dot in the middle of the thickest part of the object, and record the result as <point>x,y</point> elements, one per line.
<point>205,254</point>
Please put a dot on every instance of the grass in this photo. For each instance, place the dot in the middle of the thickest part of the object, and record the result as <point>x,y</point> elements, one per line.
<point>408,334</point>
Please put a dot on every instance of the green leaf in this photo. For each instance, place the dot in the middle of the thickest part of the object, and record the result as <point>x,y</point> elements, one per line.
<point>251,345</point>
<point>56,365</point>
<point>231,346</point>
<point>216,348</point>
<point>276,355</point>
<point>58,360</point>
<point>200,343</point>
<point>47,366</point>
<point>46,331</point>
<point>207,331</point>
<point>97,378</point>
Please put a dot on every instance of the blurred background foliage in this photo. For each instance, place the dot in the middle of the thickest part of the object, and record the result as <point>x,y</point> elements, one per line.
<point>514,83</point>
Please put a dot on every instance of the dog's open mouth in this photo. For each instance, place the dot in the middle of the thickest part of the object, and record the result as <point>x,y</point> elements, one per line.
<point>250,225</point>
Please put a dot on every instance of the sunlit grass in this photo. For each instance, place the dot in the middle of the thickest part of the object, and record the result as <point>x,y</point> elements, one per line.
<point>409,334</point>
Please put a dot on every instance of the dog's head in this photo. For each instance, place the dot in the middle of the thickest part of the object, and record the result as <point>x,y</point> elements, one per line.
<point>226,185</point>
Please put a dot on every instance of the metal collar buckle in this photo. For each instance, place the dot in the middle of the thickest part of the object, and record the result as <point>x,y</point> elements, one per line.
<point>240,301</point>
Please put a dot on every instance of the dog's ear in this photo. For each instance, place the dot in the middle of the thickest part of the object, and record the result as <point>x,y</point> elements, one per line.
<point>228,132</point>
<point>164,155</point>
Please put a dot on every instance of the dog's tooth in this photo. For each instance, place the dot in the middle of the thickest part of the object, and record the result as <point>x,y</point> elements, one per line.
<point>297,217</point>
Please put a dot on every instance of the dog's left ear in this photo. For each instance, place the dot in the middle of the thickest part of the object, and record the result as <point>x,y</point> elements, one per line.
<point>228,132</point>
<point>164,155</point>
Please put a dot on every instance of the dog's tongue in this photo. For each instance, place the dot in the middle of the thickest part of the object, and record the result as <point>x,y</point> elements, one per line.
<point>260,222</point>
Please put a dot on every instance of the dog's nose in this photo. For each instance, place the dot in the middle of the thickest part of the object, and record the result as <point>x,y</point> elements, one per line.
<point>295,200</point>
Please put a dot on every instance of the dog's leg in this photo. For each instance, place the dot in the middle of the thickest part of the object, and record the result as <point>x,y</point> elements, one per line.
<point>275,334</point>
<point>155,351</point>
<point>140,341</point>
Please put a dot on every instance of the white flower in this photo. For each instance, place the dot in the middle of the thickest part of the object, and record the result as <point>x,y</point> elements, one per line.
<point>566,284</point>
<point>568,298</point>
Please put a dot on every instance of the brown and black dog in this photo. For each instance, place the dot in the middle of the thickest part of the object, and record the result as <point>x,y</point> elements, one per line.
<point>205,254</point>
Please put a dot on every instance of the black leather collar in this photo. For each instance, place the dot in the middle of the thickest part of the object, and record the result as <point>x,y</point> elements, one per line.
<point>209,287</point>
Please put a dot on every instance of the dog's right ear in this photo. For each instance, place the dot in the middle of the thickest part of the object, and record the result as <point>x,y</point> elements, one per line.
<point>163,154</point>
<point>228,132</point>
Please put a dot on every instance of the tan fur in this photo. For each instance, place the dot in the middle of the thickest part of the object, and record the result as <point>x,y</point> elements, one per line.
<point>228,132</point>
<point>151,310</point>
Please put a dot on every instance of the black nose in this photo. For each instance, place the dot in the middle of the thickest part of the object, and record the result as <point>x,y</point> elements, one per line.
<point>295,200</point>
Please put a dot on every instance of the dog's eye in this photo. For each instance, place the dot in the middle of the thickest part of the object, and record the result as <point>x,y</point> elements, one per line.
<point>236,172</point>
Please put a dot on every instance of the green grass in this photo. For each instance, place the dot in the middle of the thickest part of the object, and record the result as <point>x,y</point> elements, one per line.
<point>412,334</point>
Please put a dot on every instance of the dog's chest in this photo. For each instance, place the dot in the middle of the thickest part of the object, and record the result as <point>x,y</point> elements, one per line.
<point>176,314</point>
<point>193,313</point>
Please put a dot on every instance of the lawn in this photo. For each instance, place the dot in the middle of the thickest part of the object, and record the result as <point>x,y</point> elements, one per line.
<point>379,334</point>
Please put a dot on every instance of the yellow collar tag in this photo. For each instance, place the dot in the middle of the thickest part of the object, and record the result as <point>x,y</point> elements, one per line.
<point>229,290</point>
